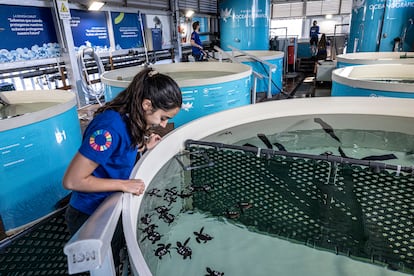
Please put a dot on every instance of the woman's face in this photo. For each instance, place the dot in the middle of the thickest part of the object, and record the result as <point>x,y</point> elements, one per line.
<point>158,117</point>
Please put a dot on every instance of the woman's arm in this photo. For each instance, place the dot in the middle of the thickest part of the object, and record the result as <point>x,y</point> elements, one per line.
<point>78,177</point>
<point>194,44</point>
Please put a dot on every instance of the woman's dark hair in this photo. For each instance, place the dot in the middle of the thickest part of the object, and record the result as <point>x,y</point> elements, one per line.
<point>322,42</point>
<point>195,25</point>
<point>160,89</point>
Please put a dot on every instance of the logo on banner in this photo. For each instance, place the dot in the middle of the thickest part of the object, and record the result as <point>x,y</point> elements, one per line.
<point>357,4</point>
<point>243,14</point>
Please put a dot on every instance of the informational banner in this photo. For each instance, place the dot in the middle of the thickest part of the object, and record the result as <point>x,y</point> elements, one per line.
<point>162,22</point>
<point>89,29</point>
<point>27,33</point>
<point>127,30</point>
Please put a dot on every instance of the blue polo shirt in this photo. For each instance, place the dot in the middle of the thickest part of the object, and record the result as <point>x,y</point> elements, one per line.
<point>314,31</point>
<point>196,37</point>
<point>107,142</point>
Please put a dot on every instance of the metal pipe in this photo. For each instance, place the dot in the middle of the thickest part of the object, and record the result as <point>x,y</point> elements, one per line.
<point>234,60</point>
<point>272,68</point>
<point>330,158</point>
<point>143,37</point>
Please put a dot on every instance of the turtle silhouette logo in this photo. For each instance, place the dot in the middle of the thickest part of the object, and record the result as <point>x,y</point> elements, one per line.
<point>187,106</point>
<point>357,4</point>
<point>224,14</point>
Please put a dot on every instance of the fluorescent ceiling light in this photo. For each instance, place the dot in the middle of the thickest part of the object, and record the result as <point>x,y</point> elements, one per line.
<point>96,6</point>
<point>189,13</point>
<point>328,16</point>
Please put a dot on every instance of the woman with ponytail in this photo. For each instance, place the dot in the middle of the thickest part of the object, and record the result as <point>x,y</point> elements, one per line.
<point>119,131</point>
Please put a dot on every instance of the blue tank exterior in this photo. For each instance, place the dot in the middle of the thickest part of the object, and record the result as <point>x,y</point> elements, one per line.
<point>31,172</point>
<point>340,90</point>
<point>201,101</point>
<point>376,23</point>
<point>366,21</point>
<point>244,24</point>
<point>399,22</point>
<point>111,92</point>
<point>277,79</point>
<point>340,64</point>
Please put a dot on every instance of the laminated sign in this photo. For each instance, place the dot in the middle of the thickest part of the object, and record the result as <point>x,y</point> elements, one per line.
<point>63,8</point>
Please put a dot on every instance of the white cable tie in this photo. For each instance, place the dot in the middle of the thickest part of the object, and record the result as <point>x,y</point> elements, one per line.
<point>398,170</point>
<point>259,150</point>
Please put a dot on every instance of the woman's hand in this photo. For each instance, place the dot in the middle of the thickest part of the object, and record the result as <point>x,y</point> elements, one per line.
<point>134,186</point>
<point>78,177</point>
<point>153,140</point>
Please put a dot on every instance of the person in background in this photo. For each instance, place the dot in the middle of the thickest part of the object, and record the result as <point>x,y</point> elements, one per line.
<point>313,34</point>
<point>119,132</point>
<point>322,53</point>
<point>196,45</point>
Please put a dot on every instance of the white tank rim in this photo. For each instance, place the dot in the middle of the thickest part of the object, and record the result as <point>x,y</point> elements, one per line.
<point>65,100</point>
<point>238,71</point>
<point>360,77</point>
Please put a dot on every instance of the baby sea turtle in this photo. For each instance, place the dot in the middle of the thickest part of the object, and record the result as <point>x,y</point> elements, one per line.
<point>146,219</point>
<point>184,250</point>
<point>167,217</point>
<point>162,250</point>
<point>149,229</point>
<point>200,236</point>
<point>213,272</point>
<point>153,236</point>
<point>162,209</point>
<point>171,192</point>
<point>204,188</point>
<point>170,199</point>
<point>185,194</point>
<point>154,192</point>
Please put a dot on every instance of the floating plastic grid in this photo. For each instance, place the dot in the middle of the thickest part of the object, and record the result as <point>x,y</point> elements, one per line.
<point>343,208</point>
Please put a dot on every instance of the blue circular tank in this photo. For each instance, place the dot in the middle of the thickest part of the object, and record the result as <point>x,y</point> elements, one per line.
<point>39,135</point>
<point>353,59</point>
<point>207,87</point>
<point>385,80</point>
<point>375,25</point>
<point>244,24</point>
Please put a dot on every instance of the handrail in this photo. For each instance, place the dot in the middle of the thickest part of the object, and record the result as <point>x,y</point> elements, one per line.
<point>272,68</point>
<point>90,248</point>
<point>234,60</point>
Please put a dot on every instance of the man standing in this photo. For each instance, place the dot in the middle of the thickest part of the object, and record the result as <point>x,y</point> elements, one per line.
<point>197,48</point>
<point>314,32</point>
